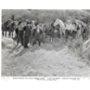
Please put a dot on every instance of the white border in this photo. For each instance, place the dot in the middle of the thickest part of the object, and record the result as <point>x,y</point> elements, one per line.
<point>32,84</point>
<point>45,4</point>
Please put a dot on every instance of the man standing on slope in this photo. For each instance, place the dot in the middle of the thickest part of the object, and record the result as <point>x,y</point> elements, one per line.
<point>27,34</point>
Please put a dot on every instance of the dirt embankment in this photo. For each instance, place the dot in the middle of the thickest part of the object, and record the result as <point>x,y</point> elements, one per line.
<point>47,60</point>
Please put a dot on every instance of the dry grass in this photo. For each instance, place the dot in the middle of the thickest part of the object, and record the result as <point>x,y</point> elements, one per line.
<point>75,46</point>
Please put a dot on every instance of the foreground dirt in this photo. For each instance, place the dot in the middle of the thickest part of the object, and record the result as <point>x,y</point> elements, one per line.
<point>47,60</point>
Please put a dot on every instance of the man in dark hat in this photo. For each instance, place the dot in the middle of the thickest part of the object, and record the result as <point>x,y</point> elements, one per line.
<point>20,32</point>
<point>27,33</point>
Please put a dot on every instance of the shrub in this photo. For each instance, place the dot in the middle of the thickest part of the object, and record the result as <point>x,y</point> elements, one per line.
<point>75,45</point>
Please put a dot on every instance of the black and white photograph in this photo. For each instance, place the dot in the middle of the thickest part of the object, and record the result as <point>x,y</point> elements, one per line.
<point>45,43</point>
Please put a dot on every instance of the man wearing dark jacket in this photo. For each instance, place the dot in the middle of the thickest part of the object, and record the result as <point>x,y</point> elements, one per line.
<point>20,33</point>
<point>27,33</point>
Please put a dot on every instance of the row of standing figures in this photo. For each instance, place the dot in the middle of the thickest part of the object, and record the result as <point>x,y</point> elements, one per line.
<point>33,32</point>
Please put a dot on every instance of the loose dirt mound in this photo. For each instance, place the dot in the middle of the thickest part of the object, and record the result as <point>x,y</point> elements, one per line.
<point>86,49</point>
<point>42,62</point>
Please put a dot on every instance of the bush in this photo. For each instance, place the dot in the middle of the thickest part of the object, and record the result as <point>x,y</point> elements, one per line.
<point>75,46</point>
<point>86,49</point>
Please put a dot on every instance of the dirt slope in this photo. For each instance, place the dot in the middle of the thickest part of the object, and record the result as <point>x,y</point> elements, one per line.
<point>41,62</point>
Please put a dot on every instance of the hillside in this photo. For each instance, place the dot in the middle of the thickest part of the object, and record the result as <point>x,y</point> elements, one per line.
<point>57,58</point>
<point>46,15</point>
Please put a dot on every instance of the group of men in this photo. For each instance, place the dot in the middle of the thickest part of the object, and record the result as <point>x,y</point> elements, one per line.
<point>27,32</point>
<point>31,31</point>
